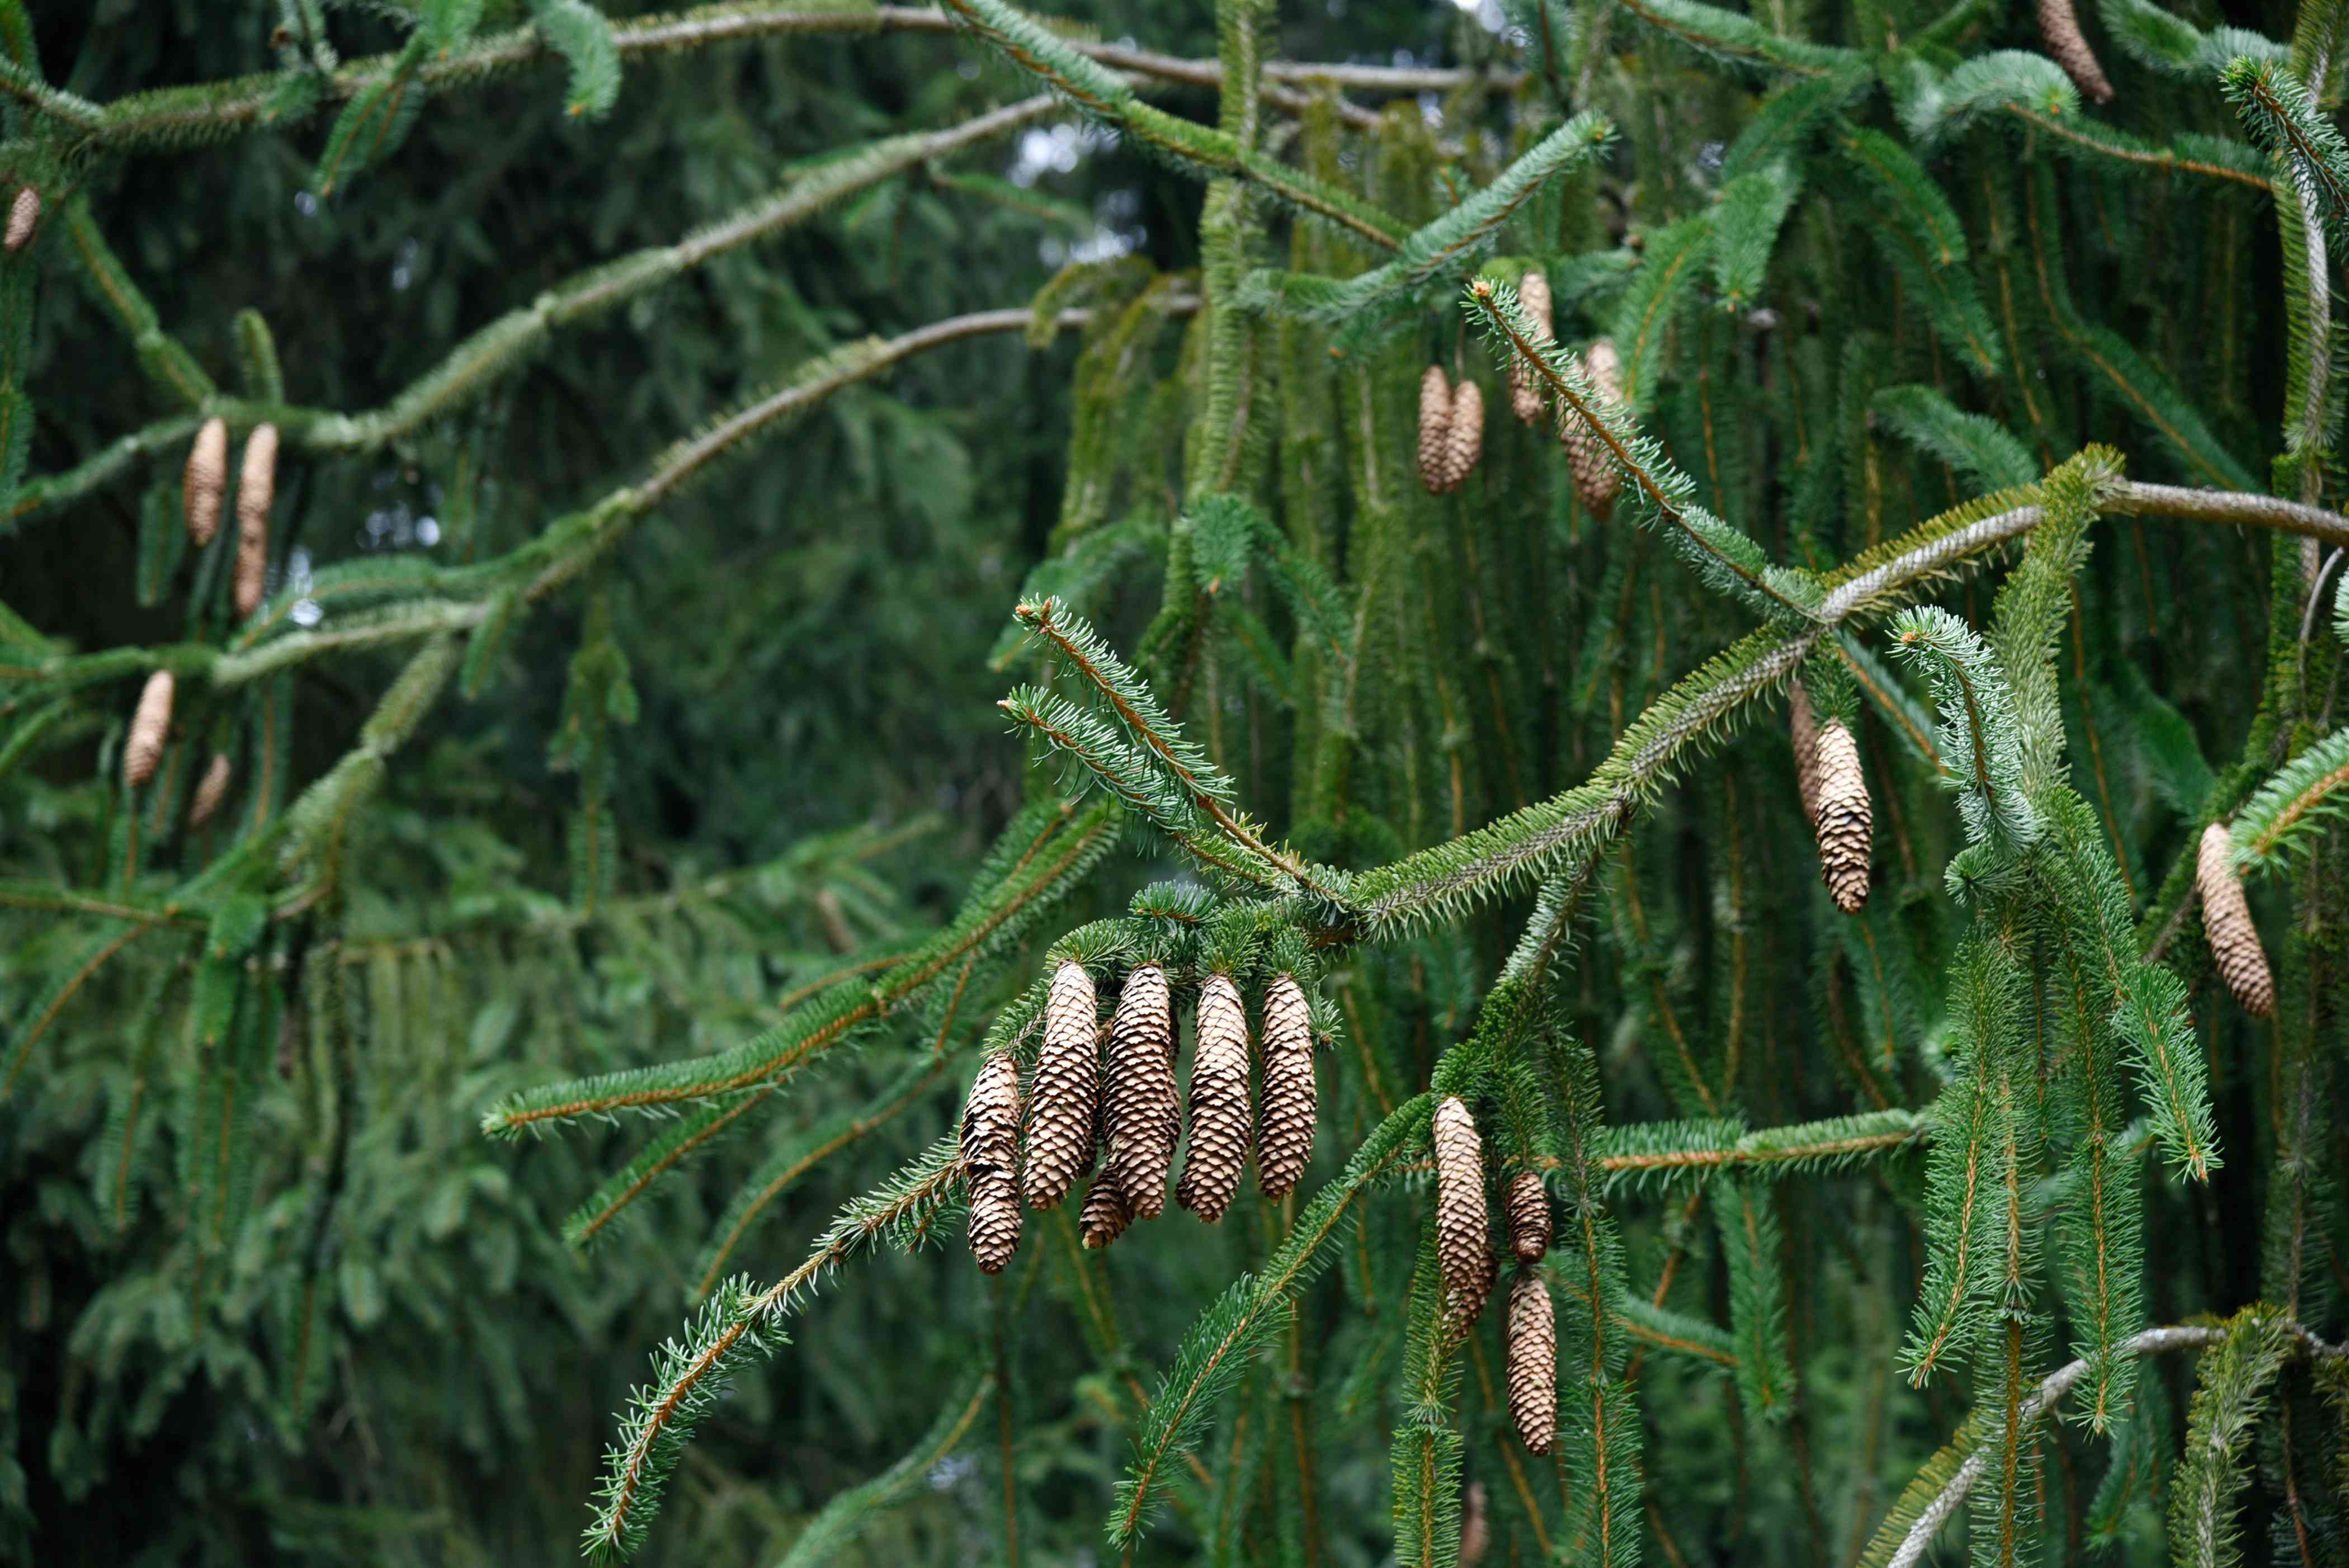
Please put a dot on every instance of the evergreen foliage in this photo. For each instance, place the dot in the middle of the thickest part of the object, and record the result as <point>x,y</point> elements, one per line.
<point>692,422</point>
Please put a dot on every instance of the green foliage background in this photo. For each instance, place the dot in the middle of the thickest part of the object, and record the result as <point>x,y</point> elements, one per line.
<point>270,1293</point>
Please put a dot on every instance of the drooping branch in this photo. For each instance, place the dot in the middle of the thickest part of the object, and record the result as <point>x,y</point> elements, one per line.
<point>2050,1392</point>
<point>212,111</point>
<point>508,342</point>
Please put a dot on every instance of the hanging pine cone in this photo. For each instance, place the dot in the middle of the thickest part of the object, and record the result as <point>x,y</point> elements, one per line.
<point>1144,1116</point>
<point>1596,480</point>
<point>151,725</point>
<point>1064,1101</point>
<point>1463,1307</point>
<point>205,481</point>
<point>256,491</point>
<point>1528,1211</point>
<point>24,217</point>
<point>1845,821</point>
<point>990,1131</point>
<point>1465,442</point>
<point>210,790</point>
<point>1106,1216</point>
<point>2059,29</point>
<point>1806,731</point>
<point>1461,1247</point>
<point>1219,1102</point>
<point>1533,1362</point>
<point>1285,1135</point>
<point>1525,387</point>
<point>2227,922</point>
<point>1434,429</point>
<point>1476,1528</point>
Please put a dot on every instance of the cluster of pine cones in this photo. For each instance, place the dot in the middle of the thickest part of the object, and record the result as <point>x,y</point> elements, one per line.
<point>1464,1253</point>
<point>204,486</point>
<point>1452,421</point>
<point>1028,1151</point>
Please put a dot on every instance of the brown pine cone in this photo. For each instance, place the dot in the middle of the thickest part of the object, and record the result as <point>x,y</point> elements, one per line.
<point>1845,821</point>
<point>990,1131</point>
<point>256,491</point>
<point>24,217</point>
<point>210,790</point>
<point>1285,1130</point>
<point>1219,1102</point>
<point>1463,1307</point>
<point>1533,1362</point>
<point>1064,1101</point>
<point>1475,1527</point>
<point>1143,1115</point>
<point>1106,1216</point>
<point>1462,1249</point>
<point>205,481</point>
<point>1596,480</point>
<point>1465,442</point>
<point>2227,922</point>
<point>1525,387</point>
<point>1806,729</point>
<point>150,726</point>
<point>1528,1211</point>
<point>1434,429</point>
<point>2059,29</point>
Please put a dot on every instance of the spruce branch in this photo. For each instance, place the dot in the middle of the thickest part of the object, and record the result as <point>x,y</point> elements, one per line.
<point>165,359</point>
<point>691,1374</point>
<point>1440,251</point>
<point>1907,1548</point>
<point>2277,111</point>
<point>2288,814</point>
<point>986,921</point>
<point>1979,727</point>
<point>1146,724</point>
<point>1033,47</point>
<point>1661,1153</point>
<point>210,112</point>
<point>1725,558</point>
<point>1246,1316</point>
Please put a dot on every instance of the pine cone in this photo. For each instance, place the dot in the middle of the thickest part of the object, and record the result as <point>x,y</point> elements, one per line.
<point>1529,1209</point>
<point>1806,731</point>
<point>205,481</point>
<point>1434,429</point>
<point>1285,1129</point>
<point>1525,387</point>
<point>1475,1527</point>
<point>1465,441</point>
<point>1463,1307</point>
<point>256,491</point>
<point>1533,1362</point>
<point>1460,1248</point>
<point>210,790</point>
<point>990,1130</point>
<point>2059,29</point>
<point>1063,1103</point>
<point>2227,922</point>
<point>1144,1117</point>
<point>1844,822</point>
<point>1106,1216</point>
<point>151,725</point>
<point>1596,480</point>
<point>24,217</point>
<point>1219,1102</point>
